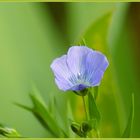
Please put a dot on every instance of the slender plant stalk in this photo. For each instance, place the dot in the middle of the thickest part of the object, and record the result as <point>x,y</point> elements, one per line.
<point>85,107</point>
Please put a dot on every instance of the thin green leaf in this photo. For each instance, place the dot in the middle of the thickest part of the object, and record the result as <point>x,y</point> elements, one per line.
<point>61,123</point>
<point>37,116</point>
<point>41,111</point>
<point>128,129</point>
<point>23,106</point>
<point>43,114</point>
<point>93,110</point>
<point>9,132</point>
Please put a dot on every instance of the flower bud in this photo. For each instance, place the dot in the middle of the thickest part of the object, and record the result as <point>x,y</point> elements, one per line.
<point>85,127</point>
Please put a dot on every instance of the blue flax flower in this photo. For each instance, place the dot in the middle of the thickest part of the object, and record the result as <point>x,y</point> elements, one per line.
<point>81,68</point>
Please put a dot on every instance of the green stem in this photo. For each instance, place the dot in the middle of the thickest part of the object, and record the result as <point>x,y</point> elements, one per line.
<point>85,107</point>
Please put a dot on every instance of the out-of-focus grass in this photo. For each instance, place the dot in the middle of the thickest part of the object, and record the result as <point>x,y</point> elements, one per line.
<point>28,44</point>
<point>123,46</point>
<point>82,15</point>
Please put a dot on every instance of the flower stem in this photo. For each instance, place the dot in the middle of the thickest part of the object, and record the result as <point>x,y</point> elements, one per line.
<point>85,107</point>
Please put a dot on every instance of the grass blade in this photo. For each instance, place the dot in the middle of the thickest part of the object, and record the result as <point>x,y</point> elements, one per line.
<point>128,129</point>
<point>94,114</point>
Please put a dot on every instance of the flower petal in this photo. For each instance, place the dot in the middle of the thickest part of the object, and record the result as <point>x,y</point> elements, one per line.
<point>76,58</point>
<point>61,72</point>
<point>62,84</point>
<point>96,64</point>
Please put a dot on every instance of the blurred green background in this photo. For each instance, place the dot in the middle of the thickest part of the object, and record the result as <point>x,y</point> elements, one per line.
<point>33,34</point>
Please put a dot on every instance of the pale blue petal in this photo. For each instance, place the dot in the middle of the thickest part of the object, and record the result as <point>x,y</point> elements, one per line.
<point>62,84</point>
<point>76,57</point>
<point>96,64</point>
<point>96,79</point>
<point>62,73</point>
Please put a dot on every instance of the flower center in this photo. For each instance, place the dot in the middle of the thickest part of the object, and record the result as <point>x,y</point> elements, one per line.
<point>79,79</point>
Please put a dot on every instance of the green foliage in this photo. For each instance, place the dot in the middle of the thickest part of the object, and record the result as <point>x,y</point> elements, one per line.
<point>9,132</point>
<point>129,125</point>
<point>76,129</point>
<point>82,129</point>
<point>86,127</point>
<point>27,49</point>
<point>94,114</point>
<point>43,114</point>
